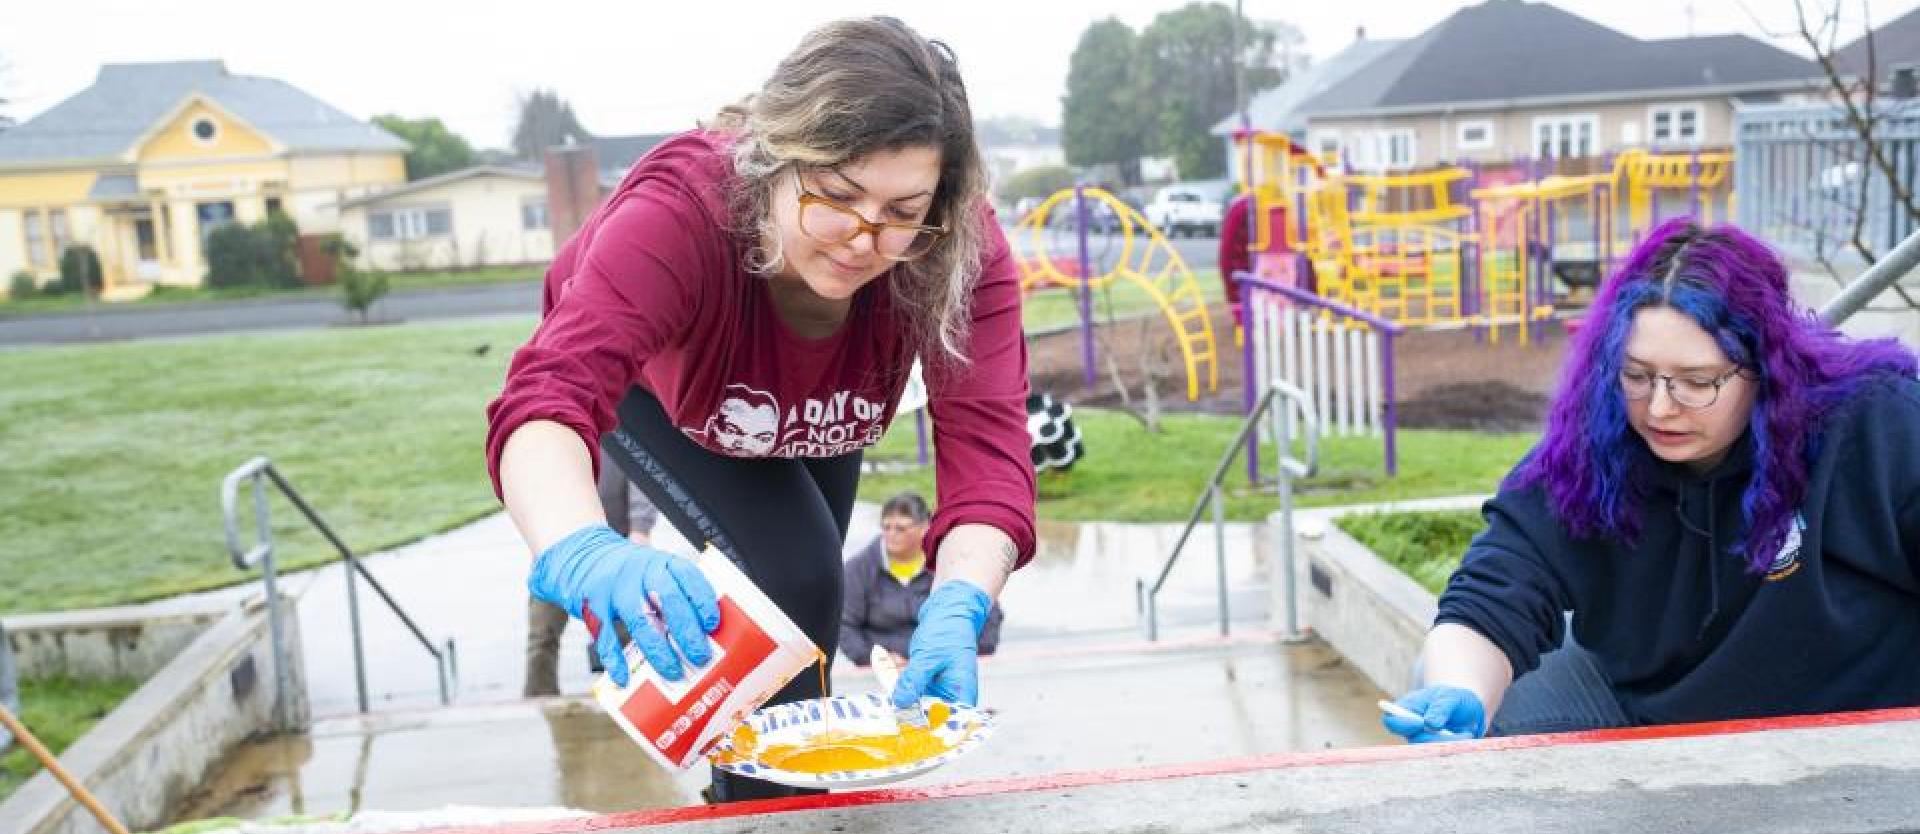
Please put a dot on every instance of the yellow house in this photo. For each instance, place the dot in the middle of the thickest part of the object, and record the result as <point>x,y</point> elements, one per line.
<point>151,158</point>
<point>486,215</point>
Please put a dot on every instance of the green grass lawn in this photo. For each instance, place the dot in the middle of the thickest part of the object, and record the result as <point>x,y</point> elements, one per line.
<point>1057,307</point>
<point>1129,474</point>
<point>58,711</point>
<point>115,453</point>
<point>1425,546</point>
<point>399,281</point>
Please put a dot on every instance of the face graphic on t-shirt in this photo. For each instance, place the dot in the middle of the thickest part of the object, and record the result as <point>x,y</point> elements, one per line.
<point>747,423</point>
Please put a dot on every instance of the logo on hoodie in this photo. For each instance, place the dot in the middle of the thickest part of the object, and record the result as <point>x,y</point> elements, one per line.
<point>1787,561</point>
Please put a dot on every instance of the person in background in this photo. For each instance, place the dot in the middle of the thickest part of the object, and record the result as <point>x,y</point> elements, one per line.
<point>735,324</point>
<point>1726,500</point>
<point>1235,254</point>
<point>630,513</point>
<point>887,582</point>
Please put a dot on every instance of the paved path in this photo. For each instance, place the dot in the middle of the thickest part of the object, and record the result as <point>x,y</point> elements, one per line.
<point>121,322</point>
<point>116,323</point>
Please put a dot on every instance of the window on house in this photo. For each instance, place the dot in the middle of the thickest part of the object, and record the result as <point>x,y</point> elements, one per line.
<point>1326,143</point>
<point>1475,136</point>
<point>57,222</point>
<point>204,130</point>
<point>1400,149</point>
<point>212,216</point>
<point>37,253</point>
<point>1381,150</point>
<point>1565,137</point>
<point>533,215</point>
<point>411,223</point>
<point>1903,83</point>
<point>1675,124</point>
<point>274,207</point>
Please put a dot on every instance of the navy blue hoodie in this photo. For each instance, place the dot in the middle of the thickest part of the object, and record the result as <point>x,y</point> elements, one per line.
<point>1677,622</point>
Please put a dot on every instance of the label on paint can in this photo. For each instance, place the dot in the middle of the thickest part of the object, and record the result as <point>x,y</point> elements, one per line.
<point>757,649</point>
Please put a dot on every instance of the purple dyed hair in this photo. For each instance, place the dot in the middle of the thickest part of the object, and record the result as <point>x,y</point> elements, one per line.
<point>1735,289</point>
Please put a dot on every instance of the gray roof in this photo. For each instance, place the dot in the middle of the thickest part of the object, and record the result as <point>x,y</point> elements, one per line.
<point>1894,43</point>
<point>1276,109</point>
<point>1507,50</point>
<point>521,172</point>
<point>127,101</point>
<point>114,187</point>
<point>615,154</point>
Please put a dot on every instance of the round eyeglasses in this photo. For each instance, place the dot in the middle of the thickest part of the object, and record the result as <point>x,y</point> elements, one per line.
<point>1686,390</point>
<point>828,221</point>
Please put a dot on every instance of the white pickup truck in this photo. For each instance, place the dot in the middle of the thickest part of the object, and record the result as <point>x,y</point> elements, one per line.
<point>1183,210</point>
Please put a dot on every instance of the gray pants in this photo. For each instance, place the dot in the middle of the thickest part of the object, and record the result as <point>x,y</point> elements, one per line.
<point>1565,693</point>
<point>628,510</point>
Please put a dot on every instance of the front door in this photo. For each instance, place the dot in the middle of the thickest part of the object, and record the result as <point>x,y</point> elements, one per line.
<point>146,241</point>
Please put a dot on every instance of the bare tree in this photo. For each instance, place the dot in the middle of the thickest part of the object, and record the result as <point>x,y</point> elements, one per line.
<point>1854,82</point>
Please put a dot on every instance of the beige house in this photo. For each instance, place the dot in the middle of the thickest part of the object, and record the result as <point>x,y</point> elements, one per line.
<point>1511,80</point>
<point>147,161</point>
<point>487,215</point>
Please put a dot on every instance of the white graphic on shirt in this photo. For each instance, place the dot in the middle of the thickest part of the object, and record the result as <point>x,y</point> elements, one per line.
<point>749,423</point>
<point>1788,559</point>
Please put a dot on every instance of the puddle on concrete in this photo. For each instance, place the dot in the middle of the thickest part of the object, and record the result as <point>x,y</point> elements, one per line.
<point>559,754</point>
<point>1074,687</point>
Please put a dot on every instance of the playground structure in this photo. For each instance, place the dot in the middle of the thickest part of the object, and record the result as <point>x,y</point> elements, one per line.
<point>1460,245</point>
<point>1145,259</point>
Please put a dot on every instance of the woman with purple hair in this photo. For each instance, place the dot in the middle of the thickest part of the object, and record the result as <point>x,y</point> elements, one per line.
<point>1722,519</point>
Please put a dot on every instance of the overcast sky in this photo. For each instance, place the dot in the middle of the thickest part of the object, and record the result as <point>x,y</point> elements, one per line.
<point>639,67</point>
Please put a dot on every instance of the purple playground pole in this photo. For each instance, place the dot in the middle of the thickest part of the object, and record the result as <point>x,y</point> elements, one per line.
<point>1248,385</point>
<point>1391,416</point>
<point>1470,268</point>
<point>1086,285</point>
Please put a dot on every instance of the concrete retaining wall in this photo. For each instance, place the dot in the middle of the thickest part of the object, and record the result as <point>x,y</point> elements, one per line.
<point>103,643</point>
<point>1370,612</point>
<point>158,745</point>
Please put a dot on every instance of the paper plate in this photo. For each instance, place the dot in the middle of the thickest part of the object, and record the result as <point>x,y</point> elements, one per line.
<point>793,723</point>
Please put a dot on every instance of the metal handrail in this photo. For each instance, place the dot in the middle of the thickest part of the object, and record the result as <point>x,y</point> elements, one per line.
<point>260,470</point>
<point>1290,469</point>
<point>1891,268</point>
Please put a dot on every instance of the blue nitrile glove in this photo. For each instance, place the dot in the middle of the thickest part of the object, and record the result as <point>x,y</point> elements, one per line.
<point>1452,714</point>
<point>599,576</point>
<point>943,656</point>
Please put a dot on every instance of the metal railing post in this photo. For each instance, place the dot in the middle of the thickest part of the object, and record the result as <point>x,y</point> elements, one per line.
<point>1288,570</point>
<point>1220,551</point>
<point>259,470</point>
<point>359,649</point>
<point>1277,391</point>
<point>1891,268</point>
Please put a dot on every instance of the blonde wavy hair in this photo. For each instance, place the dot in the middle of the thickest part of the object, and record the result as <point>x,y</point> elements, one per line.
<point>854,87</point>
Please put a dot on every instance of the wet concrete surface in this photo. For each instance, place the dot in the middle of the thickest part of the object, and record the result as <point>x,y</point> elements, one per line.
<point>470,584</point>
<point>1075,685</point>
<point>1078,706</point>
<point>559,754</point>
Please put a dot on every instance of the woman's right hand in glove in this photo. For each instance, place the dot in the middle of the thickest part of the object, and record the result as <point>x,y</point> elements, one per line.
<point>602,578</point>
<point>1447,713</point>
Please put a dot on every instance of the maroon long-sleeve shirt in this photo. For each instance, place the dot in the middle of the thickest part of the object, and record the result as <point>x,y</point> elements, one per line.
<point>654,291</point>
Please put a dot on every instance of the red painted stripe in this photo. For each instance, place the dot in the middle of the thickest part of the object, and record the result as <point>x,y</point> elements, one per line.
<point>1279,761</point>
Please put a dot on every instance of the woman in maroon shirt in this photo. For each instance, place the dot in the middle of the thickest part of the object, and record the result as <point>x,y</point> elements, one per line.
<point>736,323</point>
